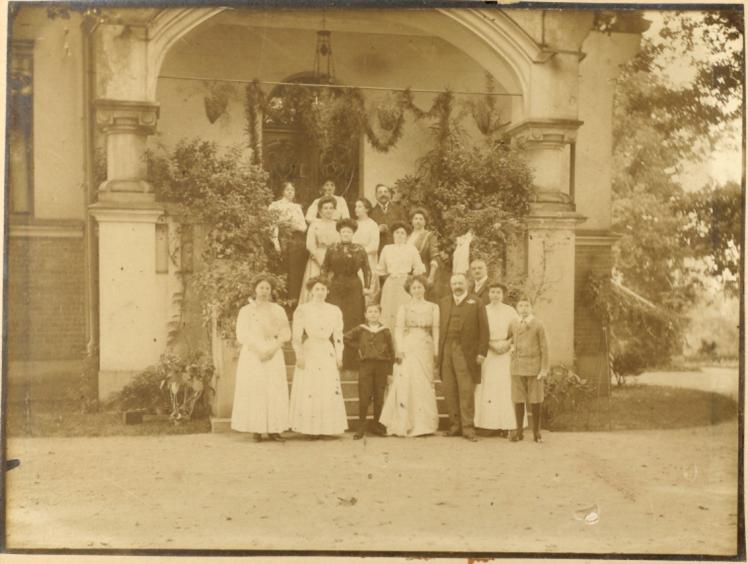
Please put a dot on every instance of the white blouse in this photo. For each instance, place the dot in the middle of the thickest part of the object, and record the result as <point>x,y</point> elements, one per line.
<point>321,235</point>
<point>290,213</point>
<point>260,327</point>
<point>399,260</point>
<point>318,321</point>
<point>367,235</point>
<point>499,318</point>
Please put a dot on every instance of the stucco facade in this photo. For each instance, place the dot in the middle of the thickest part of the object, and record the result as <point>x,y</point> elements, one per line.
<point>137,78</point>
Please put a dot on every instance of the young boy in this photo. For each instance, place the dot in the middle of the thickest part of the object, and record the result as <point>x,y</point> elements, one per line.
<point>373,341</point>
<point>529,366</point>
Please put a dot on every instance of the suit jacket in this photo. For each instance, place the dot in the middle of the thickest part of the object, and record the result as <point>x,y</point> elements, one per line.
<point>474,332</point>
<point>482,295</point>
<point>395,212</point>
<point>530,354</point>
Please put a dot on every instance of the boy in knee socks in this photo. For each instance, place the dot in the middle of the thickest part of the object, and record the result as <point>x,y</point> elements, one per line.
<point>529,366</point>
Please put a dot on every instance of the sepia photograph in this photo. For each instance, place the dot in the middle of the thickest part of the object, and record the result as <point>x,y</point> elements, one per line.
<point>418,279</point>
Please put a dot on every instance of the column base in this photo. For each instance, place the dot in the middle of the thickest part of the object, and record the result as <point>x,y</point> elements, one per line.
<point>126,191</point>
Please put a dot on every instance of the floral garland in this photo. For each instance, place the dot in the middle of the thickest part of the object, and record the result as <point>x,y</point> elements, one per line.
<point>329,117</point>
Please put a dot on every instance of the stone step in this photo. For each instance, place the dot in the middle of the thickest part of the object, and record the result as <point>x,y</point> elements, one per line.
<point>223,425</point>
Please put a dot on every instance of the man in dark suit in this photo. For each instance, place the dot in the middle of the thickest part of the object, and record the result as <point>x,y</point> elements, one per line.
<point>479,283</point>
<point>463,345</point>
<point>386,213</point>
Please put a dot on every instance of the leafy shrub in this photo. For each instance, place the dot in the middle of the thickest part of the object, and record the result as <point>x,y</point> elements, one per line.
<point>180,386</point>
<point>483,186</point>
<point>225,193</point>
<point>564,391</point>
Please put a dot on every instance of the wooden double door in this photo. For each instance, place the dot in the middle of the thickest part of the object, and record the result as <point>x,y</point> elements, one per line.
<point>287,155</point>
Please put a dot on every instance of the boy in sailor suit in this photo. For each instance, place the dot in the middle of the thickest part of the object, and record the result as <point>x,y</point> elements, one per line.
<point>376,350</point>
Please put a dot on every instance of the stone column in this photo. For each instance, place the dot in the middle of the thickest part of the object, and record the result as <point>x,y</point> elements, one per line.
<point>550,243</point>
<point>133,300</point>
<point>127,125</point>
<point>550,277</point>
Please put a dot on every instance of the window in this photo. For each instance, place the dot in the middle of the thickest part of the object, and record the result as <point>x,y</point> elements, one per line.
<point>21,164</point>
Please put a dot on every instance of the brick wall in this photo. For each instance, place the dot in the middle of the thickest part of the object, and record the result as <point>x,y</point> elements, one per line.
<point>591,258</point>
<point>45,298</point>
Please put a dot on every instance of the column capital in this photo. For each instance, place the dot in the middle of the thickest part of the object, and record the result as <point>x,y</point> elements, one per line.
<point>139,117</point>
<point>544,132</point>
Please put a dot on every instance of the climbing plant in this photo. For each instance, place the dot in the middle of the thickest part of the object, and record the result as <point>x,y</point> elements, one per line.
<point>226,194</point>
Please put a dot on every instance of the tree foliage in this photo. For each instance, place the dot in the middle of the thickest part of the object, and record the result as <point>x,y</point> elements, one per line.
<point>663,118</point>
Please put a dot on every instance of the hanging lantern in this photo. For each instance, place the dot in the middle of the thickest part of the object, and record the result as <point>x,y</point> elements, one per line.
<point>324,66</point>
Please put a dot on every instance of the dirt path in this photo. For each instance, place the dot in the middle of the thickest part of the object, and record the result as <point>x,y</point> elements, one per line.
<point>656,492</point>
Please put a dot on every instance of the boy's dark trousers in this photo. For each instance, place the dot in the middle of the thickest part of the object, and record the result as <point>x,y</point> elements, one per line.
<point>372,380</point>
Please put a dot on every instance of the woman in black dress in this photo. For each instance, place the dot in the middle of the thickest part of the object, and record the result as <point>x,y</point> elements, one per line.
<point>342,263</point>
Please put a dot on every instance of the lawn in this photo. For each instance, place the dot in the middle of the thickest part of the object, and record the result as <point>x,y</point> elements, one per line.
<point>631,407</point>
<point>63,418</point>
<point>634,407</point>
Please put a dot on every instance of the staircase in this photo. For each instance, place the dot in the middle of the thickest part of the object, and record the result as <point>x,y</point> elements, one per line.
<point>225,360</point>
<point>349,384</point>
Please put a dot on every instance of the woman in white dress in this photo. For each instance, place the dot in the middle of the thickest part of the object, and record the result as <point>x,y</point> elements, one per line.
<point>367,235</point>
<point>322,233</point>
<point>410,407</point>
<point>494,409</point>
<point>397,261</point>
<point>317,405</point>
<point>261,393</point>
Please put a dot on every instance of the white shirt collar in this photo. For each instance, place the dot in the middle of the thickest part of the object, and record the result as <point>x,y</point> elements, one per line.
<point>459,300</point>
<point>527,319</point>
<point>479,283</point>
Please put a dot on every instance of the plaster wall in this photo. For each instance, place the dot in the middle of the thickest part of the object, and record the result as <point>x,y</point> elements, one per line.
<point>58,106</point>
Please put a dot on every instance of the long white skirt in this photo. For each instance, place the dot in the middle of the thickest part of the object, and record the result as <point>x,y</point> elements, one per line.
<point>410,406</point>
<point>494,408</point>
<point>393,296</point>
<point>317,404</point>
<point>260,395</point>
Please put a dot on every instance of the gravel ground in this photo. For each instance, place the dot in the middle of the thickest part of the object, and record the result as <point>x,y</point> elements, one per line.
<point>653,492</point>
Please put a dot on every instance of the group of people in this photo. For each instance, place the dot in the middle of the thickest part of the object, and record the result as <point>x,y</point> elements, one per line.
<point>365,290</point>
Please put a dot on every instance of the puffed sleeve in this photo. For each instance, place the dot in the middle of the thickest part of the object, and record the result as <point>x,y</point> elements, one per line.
<point>435,329</point>
<point>382,264</point>
<point>311,212</point>
<point>297,329</point>
<point>399,329</point>
<point>337,333</point>
<point>343,205</point>
<point>284,329</point>
<point>417,263</point>
<point>311,239</point>
<point>244,333</point>
<point>373,245</point>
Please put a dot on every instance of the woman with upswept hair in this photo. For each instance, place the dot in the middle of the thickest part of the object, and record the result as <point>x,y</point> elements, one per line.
<point>261,392</point>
